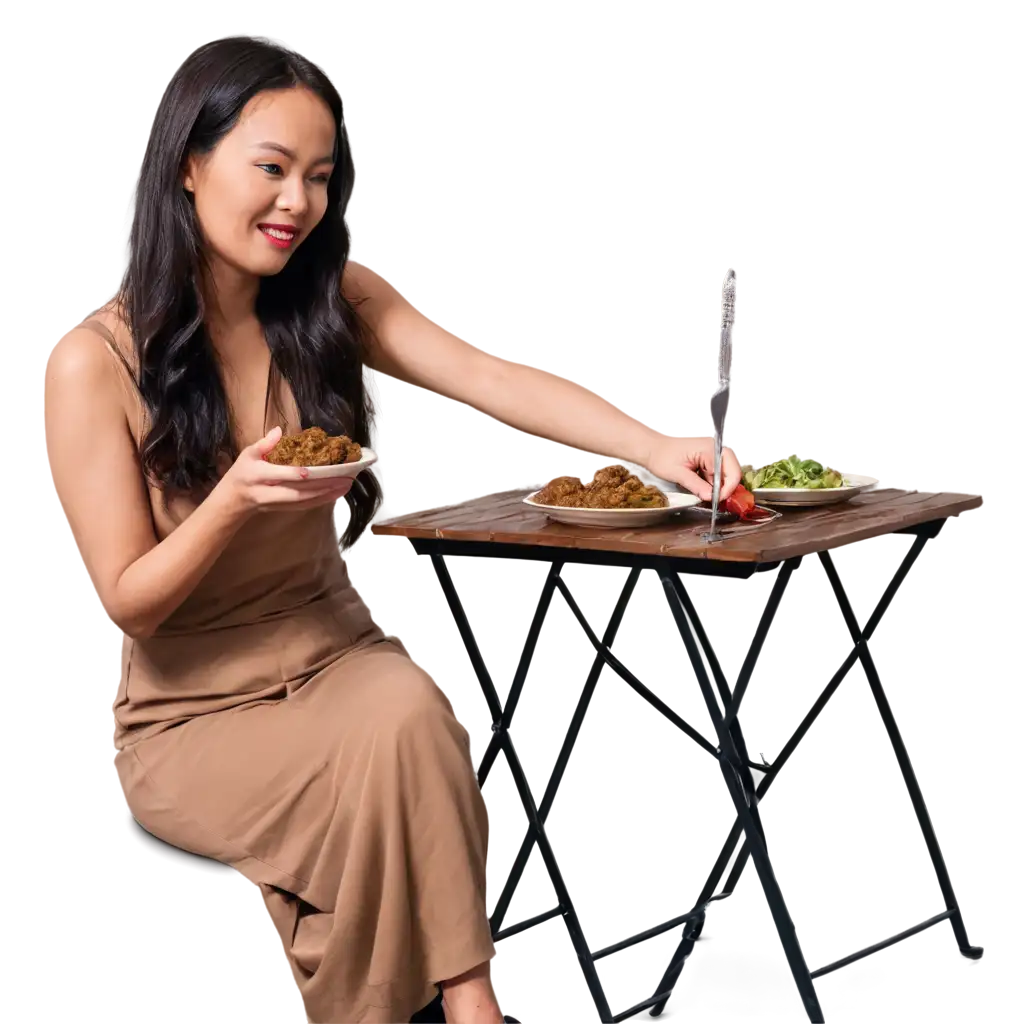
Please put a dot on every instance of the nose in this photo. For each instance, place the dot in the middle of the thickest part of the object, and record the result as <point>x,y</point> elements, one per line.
<point>292,196</point>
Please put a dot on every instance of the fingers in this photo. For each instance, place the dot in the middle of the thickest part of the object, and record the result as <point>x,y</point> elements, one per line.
<point>298,494</point>
<point>731,474</point>
<point>324,499</point>
<point>275,476</point>
<point>268,474</point>
<point>314,489</point>
<point>265,444</point>
<point>698,478</point>
<point>341,487</point>
<point>694,483</point>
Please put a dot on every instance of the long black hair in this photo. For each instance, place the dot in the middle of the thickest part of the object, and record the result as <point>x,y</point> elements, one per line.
<point>316,339</point>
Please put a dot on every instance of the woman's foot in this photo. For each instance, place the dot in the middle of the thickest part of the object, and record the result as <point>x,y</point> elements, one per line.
<point>469,998</point>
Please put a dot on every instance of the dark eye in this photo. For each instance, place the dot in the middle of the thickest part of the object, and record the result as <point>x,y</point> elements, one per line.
<point>324,178</point>
<point>267,167</point>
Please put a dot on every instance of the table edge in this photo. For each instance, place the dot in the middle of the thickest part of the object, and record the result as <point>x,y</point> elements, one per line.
<point>759,555</point>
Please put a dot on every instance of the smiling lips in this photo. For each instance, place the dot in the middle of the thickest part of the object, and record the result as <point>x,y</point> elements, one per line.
<point>279,235</point>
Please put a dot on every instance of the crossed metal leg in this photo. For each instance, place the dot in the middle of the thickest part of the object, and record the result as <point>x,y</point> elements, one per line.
<point>730,751</point>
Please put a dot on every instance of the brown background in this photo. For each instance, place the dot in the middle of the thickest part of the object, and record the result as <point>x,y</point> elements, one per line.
<point>90,931</point>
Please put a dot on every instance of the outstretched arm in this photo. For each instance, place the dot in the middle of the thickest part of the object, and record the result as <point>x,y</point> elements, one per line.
<point>409,346</point>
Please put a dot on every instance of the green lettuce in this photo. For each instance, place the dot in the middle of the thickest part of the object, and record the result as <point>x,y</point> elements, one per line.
<point>791,472</point>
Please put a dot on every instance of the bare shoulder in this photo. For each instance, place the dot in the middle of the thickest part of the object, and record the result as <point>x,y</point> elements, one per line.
<point>367,290</point>
<point>357,282</point>
<point>87,360</point>
<point>81,358</point>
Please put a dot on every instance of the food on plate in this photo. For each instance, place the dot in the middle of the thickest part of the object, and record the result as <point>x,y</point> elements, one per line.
<point>612,487</point>
<point>314,447</point>
<point>741,503</point>
<point>792,472</point>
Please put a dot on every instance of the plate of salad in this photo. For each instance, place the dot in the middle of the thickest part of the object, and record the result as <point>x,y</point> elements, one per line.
<point>796,481</point>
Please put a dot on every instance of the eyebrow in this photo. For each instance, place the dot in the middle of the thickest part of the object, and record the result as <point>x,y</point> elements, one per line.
<point>278,148</point>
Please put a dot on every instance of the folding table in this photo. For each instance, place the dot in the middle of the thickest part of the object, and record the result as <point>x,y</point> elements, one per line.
<point>501,526</point>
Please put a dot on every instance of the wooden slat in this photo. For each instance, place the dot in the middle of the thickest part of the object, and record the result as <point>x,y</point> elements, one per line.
<point>503,518</point>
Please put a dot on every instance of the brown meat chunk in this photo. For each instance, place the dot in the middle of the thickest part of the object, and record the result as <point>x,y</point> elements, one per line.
<point>314,447</point>
<point>612,487</point>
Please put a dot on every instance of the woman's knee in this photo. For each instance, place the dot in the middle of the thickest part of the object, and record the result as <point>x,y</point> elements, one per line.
<point>412,702</point>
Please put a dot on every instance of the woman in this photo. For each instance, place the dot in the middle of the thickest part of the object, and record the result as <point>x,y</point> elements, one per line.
<point>263,718</point>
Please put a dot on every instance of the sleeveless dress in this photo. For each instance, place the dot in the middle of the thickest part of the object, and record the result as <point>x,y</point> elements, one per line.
<point>270,724</point>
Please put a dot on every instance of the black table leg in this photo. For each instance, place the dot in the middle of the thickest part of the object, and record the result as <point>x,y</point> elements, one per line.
<point>736,773</point>
<point>723,706</point>
<point>501,743</point>
<point>861,629</point>
<point>733,759</point>
<point>503,740</point>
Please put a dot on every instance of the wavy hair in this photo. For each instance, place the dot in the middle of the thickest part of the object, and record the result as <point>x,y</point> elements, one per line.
<point>316,339</point>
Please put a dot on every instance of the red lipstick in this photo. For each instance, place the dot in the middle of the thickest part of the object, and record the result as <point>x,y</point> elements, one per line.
<point>283,234</point>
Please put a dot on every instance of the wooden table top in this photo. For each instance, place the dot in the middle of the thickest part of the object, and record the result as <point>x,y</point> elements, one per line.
<point>504,519</point>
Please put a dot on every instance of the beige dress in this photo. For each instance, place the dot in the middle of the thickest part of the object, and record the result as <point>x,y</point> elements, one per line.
<point>270,724</point>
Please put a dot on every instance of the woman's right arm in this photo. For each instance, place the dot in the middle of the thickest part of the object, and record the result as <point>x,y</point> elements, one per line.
<point>99,480</point>
<point>98,477</point>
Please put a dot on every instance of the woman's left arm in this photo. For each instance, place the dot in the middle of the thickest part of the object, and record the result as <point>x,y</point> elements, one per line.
<point>407,345</point>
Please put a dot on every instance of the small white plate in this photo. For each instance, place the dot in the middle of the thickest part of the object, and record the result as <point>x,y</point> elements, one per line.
<point>368,458</point>
<point>626,518</point>
<point>853,484</point>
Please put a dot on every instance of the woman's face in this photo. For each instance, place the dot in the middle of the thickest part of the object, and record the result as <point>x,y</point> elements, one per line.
<point>267,177</point>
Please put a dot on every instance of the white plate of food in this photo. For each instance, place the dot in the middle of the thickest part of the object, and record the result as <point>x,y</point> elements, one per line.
<point>322,454</point>
<point>803,482</point>
<point>615,498</point>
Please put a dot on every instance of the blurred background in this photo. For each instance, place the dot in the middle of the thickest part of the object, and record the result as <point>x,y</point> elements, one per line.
<point>560,194</point>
